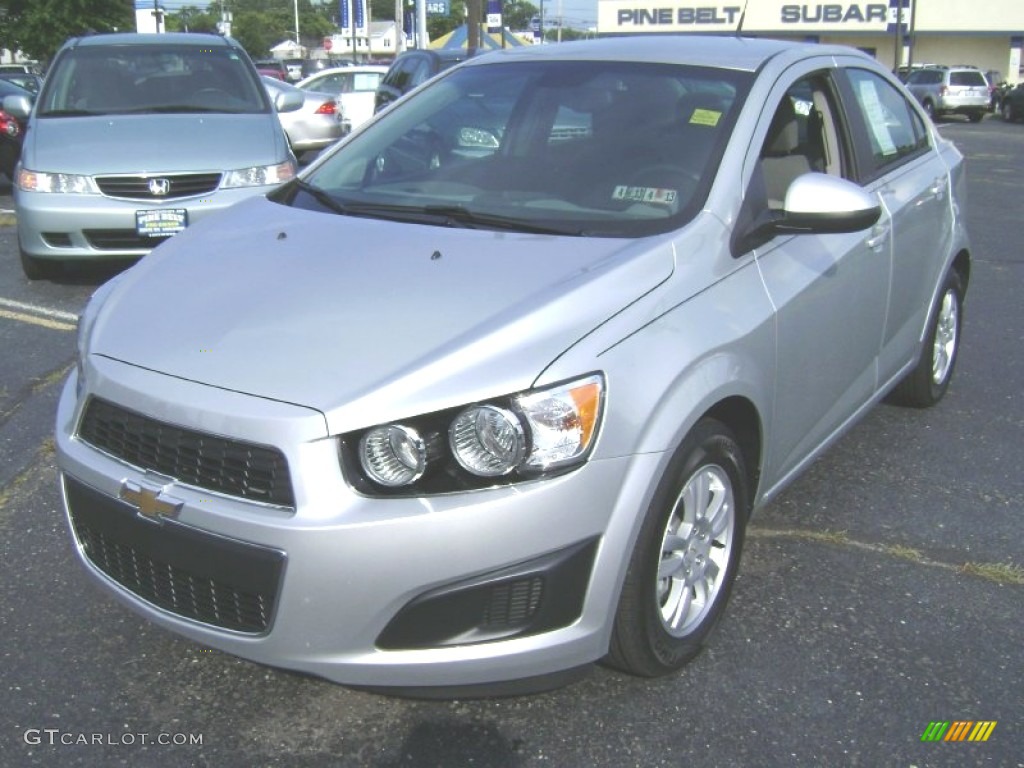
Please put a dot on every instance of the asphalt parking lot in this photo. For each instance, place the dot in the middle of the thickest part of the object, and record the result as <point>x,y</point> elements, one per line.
<point>881,593</point>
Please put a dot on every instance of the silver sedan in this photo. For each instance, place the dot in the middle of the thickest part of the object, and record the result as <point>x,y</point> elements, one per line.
<point>315,125</point>
<point>490,392</point>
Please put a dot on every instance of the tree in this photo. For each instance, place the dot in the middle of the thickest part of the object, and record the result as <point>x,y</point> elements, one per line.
<point>39,27</point>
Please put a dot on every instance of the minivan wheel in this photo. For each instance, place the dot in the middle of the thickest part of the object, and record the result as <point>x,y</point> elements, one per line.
<point>38,269</point>
<point>1006,109</point>
<point>929,109</point>
<point>685,559</point>
<point>975,117</point>
<point>925,385</point>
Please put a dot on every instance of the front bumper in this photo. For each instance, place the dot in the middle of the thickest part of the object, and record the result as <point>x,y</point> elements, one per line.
<point>366,591</point>
<point>69,227</point>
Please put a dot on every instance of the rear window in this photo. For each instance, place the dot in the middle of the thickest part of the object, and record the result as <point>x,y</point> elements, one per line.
<point>968,78</point>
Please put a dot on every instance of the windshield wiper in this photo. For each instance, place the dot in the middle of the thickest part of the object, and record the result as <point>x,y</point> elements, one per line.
<point>459,215</point>
<point>69,113</point>
<point>448,215</point>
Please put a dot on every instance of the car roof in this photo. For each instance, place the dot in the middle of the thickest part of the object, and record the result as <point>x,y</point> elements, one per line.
<point>723,52</point>
<point>205,40</point>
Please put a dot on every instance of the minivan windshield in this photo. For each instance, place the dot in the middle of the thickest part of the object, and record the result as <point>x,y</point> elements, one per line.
<point>122,79</point>
<point>573,147</point>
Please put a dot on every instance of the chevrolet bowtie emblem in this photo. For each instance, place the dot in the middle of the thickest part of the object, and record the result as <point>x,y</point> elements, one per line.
<point>150,503</point>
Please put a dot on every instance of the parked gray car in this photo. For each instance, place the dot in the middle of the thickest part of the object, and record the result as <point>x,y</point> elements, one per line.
<point>136,137</point>
<point>315,125</point>
<point>951,91</point>
<point>509,370</point>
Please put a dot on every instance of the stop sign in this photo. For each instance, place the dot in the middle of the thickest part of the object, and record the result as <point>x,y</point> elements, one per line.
<point>328,44</point>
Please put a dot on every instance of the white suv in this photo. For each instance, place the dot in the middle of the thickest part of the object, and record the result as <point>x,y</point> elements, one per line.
<point>951,90</point>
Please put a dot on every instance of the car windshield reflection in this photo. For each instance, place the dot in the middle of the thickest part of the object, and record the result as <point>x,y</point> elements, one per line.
<point>601,148</point>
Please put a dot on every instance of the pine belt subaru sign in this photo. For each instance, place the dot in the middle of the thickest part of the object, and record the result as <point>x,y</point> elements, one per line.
<point>660,16</point>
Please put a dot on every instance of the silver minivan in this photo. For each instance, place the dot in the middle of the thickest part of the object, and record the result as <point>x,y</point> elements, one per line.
<point>135,137</point>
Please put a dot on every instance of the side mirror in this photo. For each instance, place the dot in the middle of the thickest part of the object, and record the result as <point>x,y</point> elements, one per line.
<point>821,204</point>
<point>815,203</point>
<point>288,101</point>
<point>18,106</point>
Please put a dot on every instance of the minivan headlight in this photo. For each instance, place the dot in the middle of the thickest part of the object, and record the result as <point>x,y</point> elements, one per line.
<point>259,175</point>
<point>70,183</point>
<point>523,436</point>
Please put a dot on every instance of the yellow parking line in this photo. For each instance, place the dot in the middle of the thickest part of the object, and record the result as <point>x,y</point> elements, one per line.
<point>45,322</point>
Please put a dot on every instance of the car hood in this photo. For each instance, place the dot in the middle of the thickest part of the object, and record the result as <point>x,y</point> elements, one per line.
<point>366,320</point>
<point>152,143</point>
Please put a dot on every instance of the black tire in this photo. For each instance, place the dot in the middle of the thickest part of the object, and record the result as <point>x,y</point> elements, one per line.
<point>929,109</point>
<point>1006,109</point>
<point>686,575</point>
<point>975,117</point>
<point>927,383</point>
<point>38,269</point>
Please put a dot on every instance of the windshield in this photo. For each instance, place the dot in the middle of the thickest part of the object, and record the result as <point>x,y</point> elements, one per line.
<point>580,148</point>
<point>121,79</point>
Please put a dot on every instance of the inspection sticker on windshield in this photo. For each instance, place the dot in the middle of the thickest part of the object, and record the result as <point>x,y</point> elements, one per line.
<point>645,194</point>
<point>161,223</point>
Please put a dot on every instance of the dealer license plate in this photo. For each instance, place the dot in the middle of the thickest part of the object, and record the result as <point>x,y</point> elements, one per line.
<point>161,223</point>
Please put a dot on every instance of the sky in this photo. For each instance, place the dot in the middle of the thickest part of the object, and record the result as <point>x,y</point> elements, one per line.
<point>577,13</point>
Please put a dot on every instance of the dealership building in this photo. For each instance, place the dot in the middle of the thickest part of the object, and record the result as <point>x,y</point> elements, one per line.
<point>986,33</point>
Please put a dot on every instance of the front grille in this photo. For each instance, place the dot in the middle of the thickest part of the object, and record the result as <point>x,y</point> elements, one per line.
<point>120,240</point>
<point>196,575</point>
<point>232,467</point>
<point>138,187</point>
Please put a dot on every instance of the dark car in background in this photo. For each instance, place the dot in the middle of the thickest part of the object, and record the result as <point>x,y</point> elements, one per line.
<point>411,68</point>
<point>30,82</point>
<point>12,128</point>
<point>1011,103</point>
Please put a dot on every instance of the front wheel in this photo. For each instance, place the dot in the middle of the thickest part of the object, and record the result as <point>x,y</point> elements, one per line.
<point>925,385</point>
<point>1007,111</point>
<point>686,556</point>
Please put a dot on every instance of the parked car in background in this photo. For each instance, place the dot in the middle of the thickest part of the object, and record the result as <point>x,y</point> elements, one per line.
<point>12,126</point>
<point>1011,105</point>
<point>355,87</point>
<point>29,68</point>
<point>491,390</point>
<point>951,91</point>
<point>30,82</point>
<point>411,68</point>
<point>314,125</point>
<point>294,68</point>
<point>275,68</point>
<point>136,137</point>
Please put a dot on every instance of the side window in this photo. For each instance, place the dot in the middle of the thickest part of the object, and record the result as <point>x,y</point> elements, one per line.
<point>893,129</point>
<point>805,136</point>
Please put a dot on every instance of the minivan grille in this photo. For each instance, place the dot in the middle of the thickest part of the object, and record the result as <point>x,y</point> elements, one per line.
<point>198,575</point>
<point>139,187</point>
<point>232,467</point>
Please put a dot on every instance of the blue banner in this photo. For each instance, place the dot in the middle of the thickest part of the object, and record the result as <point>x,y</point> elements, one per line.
<point>494,15</point>
<point>344,17</point>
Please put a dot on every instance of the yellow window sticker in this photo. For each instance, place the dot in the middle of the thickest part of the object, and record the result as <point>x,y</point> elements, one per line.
<point>708,117</point>
<point>645,194</point>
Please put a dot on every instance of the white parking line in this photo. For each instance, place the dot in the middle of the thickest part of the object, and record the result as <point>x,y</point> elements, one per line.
<point>34,314</point>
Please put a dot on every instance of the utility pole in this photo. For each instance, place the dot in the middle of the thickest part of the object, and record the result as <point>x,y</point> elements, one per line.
<point>157,14</point>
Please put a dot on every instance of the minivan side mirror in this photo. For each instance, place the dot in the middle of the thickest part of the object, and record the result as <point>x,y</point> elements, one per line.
<point>18,106</point>
<point>289,101</point>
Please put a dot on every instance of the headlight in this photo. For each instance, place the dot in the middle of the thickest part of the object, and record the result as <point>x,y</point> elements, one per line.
<point>393,455</point>
<point>37,181</point>
<point>523,436</point>
<point>487,441</point>
<point>259,175</point>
